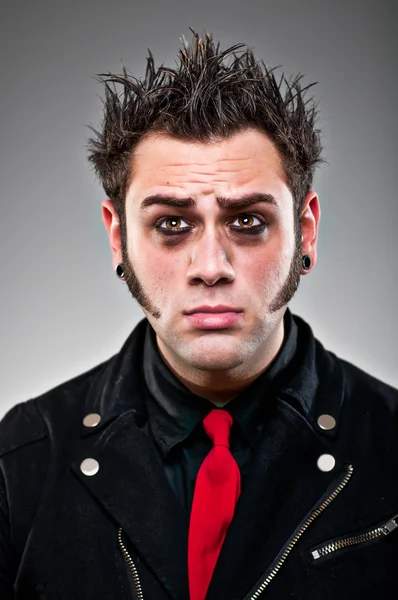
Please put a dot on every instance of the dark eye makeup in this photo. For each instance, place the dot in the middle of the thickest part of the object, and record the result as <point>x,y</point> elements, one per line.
<point>253,230</point>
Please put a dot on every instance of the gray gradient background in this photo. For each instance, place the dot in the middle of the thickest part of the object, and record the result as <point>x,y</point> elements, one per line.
<point>62,308</point>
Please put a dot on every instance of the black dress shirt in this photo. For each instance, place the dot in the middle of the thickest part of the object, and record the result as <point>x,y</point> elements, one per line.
<point>175,414</point>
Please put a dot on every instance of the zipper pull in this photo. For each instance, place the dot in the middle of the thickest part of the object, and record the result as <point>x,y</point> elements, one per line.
<point>390,525</point>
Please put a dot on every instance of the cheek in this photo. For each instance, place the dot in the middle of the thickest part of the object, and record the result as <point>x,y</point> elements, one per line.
<point>271,263</point>
<point>156,269</point>
<point>262,278</point>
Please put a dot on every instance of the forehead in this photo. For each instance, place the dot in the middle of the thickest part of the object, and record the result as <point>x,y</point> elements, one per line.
<point>248,159</point>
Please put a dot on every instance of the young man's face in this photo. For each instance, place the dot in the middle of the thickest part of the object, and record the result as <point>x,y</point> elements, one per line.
<point>215,259</point>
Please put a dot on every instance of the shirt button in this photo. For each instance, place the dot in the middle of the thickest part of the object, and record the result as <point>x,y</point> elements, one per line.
<point>326,462</point>
<point>326,422</point>
<point>89,466</point>
<point>91,420</point>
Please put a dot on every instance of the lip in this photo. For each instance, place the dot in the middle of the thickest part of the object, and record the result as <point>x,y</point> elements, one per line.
<point>219,308</point>
<point>214,320</point>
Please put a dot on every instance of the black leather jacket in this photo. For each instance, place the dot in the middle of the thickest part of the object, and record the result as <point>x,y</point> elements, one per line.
<point>112,527</point>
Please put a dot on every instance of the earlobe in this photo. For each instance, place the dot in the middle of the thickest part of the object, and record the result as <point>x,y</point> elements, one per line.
<point>120,271</point>
<point>307,262</point>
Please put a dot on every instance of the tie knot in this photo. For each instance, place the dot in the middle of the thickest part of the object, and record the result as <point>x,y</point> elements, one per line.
<point>217,425</point>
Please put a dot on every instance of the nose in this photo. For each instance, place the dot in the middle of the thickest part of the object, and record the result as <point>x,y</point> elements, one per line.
<point>209,260</point>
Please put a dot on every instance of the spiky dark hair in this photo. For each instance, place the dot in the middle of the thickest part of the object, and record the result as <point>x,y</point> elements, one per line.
<point>210,94</point>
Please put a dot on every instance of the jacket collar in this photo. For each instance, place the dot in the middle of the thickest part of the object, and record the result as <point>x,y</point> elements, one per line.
<point>316,380</point>
<point>119,386</point>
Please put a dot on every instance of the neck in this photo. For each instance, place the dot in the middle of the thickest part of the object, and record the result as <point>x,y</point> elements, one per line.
<point>221,388</point>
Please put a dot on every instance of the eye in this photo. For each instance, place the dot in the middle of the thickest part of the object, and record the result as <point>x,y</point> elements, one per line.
<point>246,228</point>
<point>173,220</point>
<point>248,217</point>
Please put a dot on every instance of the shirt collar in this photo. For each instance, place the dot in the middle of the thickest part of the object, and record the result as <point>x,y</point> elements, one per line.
<point>174,411</point>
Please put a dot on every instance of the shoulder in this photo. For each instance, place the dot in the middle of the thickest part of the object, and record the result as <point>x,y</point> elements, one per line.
<point>371,390</point>
<point>359,386</point>
<point>29,421</point>
<point>54,413</point>
<point>369,412</point>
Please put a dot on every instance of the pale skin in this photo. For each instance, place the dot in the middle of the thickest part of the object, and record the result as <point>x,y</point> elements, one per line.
<point>213,264</point>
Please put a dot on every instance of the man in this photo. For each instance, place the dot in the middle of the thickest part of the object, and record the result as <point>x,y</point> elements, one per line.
<point>223,453</point>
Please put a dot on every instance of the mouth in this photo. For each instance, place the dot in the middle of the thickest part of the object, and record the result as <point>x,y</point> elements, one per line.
<point>219,308</point>
<point>214,320</point>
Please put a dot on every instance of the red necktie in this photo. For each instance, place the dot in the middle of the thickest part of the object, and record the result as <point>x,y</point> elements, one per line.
<point>217,491</point>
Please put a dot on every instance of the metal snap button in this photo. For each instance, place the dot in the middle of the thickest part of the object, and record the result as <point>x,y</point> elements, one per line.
<point>89,466</point>
<point>326,462</point>
<point>91,420</point>
<point>326,422</point>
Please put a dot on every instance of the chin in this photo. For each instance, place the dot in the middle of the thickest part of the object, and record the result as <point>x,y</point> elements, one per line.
<point>215,361</point>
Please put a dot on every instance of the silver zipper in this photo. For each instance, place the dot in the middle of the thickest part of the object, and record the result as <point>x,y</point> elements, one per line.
<point>299,533</point>
<point>353,540</point>
<point>131,565</point>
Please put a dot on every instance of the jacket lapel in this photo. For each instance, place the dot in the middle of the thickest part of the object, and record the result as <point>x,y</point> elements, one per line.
<point>132,487</point>
<point>282,487</point>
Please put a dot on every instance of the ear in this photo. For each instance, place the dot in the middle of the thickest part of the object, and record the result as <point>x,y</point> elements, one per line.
<point>309,220</point>
<point>112,225</point>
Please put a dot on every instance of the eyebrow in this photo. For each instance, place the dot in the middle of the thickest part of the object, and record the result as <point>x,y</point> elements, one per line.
<point>226,203</point>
